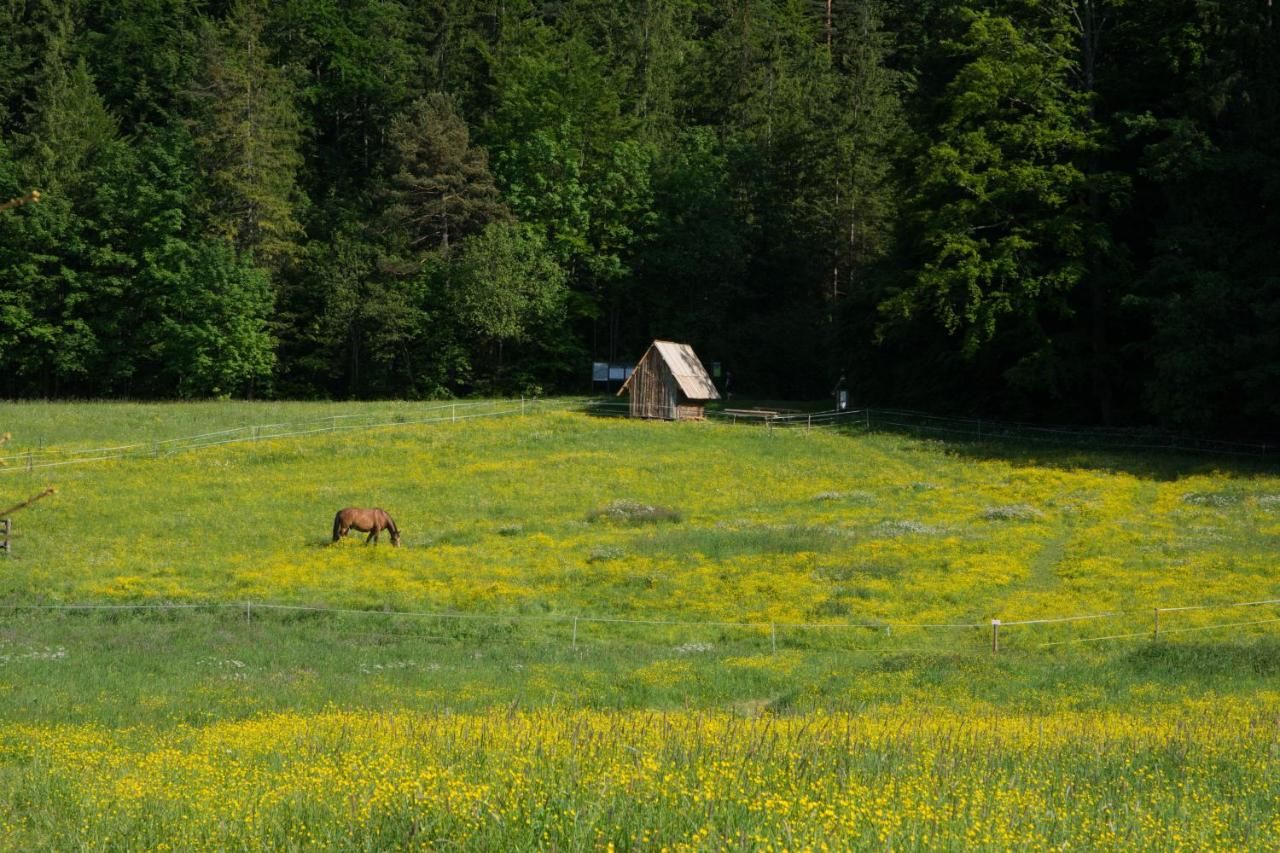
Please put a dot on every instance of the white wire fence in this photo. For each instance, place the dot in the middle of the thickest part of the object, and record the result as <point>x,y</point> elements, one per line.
<point>968,429</point>
<point>866,420</point>
<point>979,429</point>
<point>429,414</point>
<point>890,637</point>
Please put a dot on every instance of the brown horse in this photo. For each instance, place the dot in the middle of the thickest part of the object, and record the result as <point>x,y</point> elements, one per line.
<point>365,519</point>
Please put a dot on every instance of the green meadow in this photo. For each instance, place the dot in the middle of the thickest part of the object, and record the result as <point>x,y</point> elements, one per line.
<point>593,619</point>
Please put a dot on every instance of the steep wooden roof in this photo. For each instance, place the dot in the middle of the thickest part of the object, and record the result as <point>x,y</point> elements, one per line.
<point>684,365</point>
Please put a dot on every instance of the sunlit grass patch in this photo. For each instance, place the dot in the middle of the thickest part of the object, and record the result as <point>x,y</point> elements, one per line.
<point>780,625</point>
<point>509,779</point>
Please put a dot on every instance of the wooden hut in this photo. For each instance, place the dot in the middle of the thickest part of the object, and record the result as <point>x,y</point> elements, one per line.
<point>669,383</point>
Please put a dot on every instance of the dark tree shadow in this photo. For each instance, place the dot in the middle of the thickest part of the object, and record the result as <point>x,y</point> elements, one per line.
<point>1143,454</point>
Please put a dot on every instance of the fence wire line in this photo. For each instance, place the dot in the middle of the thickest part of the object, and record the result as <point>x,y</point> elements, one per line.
<point>382,417</point>
<point>566,618</point>
<point>259,432</point>
<point>1098,639</point>
<point>1109,615</point>
<point>1113,438</point>
<point>1163,631</point>
<point>1217,627</point>
<point>1107,437</point>
<point>498,617</point>
<point>1218,606</point>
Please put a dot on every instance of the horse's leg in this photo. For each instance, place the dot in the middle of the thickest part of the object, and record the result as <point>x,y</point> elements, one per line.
<point>373,536</point>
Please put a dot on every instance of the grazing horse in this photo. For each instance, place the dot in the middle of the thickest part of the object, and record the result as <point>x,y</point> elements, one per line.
<point>365,519</point>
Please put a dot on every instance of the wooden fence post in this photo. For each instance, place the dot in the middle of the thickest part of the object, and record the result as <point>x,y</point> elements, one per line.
<point>1155,635</point>
<point>773,636</point>
<point>995,636</point>
<point>575,633</point>
<point>4,534</point>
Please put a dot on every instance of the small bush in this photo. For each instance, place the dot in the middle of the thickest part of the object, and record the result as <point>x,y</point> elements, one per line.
<point>604,554</point>
<point>634,512</point>
<point>1213,499</point>
<point>855,495</point>
<point>898,527</point>
<point>1012,512</point>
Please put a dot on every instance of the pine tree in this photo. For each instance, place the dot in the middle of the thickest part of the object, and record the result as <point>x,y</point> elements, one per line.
<point>441,188</point>
<point>249,135</point>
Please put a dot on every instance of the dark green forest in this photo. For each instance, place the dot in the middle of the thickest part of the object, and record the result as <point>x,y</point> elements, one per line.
<point>1061,210</point>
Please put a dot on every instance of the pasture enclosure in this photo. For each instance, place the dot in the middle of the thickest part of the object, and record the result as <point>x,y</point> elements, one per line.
<point>583,645</point>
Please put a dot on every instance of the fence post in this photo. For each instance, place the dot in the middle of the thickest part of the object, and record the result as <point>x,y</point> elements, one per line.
<point>995,636</point>
<point>867,417</point>
<point>522,404</point>
<point>575,633</point>
<point>773,636</point>
<point>1155,635</point>
<point>248,611</point>
<point>4,533</point>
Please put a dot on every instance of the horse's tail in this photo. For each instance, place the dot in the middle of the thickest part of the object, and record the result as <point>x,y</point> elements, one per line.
<point>337,525</point>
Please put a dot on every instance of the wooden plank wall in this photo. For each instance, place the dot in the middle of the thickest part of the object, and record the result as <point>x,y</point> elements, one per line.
<point>654,392</point>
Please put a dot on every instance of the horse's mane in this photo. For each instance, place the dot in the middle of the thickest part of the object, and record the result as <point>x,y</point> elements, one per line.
<point>391,524</point>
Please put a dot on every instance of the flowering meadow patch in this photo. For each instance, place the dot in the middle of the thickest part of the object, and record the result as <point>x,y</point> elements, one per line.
<point>1187,779</point>
<point>614,634</point>
<point>522,515</point>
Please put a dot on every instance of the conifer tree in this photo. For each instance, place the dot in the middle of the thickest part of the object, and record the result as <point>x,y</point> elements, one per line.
<point>441,189</point>
<point>249,136</point>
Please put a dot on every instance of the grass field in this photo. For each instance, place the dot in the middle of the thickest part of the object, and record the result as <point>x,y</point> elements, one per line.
<point>640,634</point>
